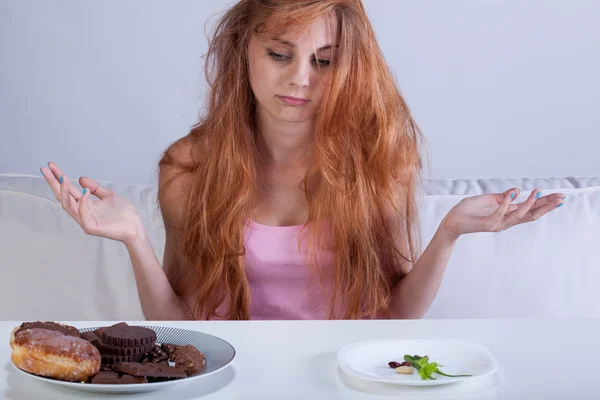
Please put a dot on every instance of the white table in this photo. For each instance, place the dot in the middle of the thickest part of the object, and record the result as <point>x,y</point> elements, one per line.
<point>537,359</point>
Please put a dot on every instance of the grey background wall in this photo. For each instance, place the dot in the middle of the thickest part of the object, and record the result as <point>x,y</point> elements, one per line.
<point>499,88</point>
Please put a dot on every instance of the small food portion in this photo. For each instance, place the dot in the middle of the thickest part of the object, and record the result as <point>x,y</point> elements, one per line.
<point>395,364</point>
<point>55,355</point>
<point>404,369</point>
<point>425,368</point>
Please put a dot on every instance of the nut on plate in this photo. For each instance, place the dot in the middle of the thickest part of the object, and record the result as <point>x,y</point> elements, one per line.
<point>405,369</point>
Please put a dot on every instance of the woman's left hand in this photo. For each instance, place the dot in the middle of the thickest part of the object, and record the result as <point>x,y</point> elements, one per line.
<point>495,213</point>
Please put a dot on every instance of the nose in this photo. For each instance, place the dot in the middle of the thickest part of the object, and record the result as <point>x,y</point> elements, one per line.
<point>300,74</point>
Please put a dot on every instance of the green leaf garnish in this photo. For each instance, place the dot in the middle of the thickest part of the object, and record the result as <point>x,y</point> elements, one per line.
<point>425,368</point>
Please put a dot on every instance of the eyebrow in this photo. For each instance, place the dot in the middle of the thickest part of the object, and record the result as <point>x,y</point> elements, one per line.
<point>290,44</point>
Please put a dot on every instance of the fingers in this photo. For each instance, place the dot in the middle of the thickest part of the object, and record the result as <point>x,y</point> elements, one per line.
<point>511,208</point>
<point>53,178</point>
<point>93,187</point>
<point>509,196</point>
<point>68,203</point>
<point>551,203</point>
<point>553,198</point>
<point>84,212</point>
<point>522,209</point>
<point>52,182</point>
<point>495,222</point>
<point>500,197</point>
<point>56,172</point>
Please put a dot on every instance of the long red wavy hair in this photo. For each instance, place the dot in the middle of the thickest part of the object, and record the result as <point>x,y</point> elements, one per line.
<point>366,163</point>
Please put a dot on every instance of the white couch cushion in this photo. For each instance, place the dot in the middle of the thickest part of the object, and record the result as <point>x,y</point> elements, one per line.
<point>53,270</point>
<point>548,268</point>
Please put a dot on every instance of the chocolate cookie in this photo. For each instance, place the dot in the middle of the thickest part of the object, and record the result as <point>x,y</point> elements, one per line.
<point>129,336</point>
<point>190,359</point>
<point>52,326</point>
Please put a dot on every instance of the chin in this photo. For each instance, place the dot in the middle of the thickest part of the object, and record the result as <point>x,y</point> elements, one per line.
<point>290,114</point>
<point>295,117</point>
<point>296,120</point>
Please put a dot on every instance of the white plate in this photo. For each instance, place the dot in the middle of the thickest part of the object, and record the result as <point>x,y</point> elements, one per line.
<point>219,354</point>
<point>369,360</point>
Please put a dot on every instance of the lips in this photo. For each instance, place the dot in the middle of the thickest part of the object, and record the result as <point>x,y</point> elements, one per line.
<point>293,101</point>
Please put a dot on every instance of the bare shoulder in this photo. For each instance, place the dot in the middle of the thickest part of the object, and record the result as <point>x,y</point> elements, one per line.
<point>174,181</point>
<point>174,177</point>
<point>186,150</point>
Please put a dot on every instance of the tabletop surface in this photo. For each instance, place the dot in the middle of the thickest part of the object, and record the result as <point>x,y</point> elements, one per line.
<point>545,359</point>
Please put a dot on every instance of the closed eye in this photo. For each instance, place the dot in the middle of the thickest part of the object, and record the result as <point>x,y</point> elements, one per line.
<point>322,63</point>
<point>278,56</point>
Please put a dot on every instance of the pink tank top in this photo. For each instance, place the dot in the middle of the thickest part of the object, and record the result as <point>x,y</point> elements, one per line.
<point>279,279</point>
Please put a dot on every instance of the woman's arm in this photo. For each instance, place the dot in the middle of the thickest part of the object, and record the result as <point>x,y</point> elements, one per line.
<point>159,300</point>
<point>413,294</point>
<point>157,294</point>
<point>157,285</point>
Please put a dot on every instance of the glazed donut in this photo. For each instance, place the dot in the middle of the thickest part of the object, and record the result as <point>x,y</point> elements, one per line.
<point>50,325</point>
<point>52,354</point>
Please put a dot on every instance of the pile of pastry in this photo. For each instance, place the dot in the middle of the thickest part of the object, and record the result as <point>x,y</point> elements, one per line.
<point>118,354</point>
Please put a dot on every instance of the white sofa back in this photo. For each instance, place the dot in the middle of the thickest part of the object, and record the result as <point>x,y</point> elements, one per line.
<point>549,268</point>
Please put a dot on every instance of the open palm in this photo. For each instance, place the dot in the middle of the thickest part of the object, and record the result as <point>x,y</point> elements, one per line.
<point>109,216</point>
<point>494,212</point>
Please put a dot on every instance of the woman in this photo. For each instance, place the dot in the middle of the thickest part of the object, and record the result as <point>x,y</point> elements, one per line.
<point>294,197</point>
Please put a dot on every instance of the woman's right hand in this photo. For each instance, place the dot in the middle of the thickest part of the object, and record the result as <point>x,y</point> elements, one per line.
<point>110,216</point>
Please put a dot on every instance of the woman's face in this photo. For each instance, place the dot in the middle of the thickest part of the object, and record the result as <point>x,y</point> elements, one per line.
<point>288,78</point>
